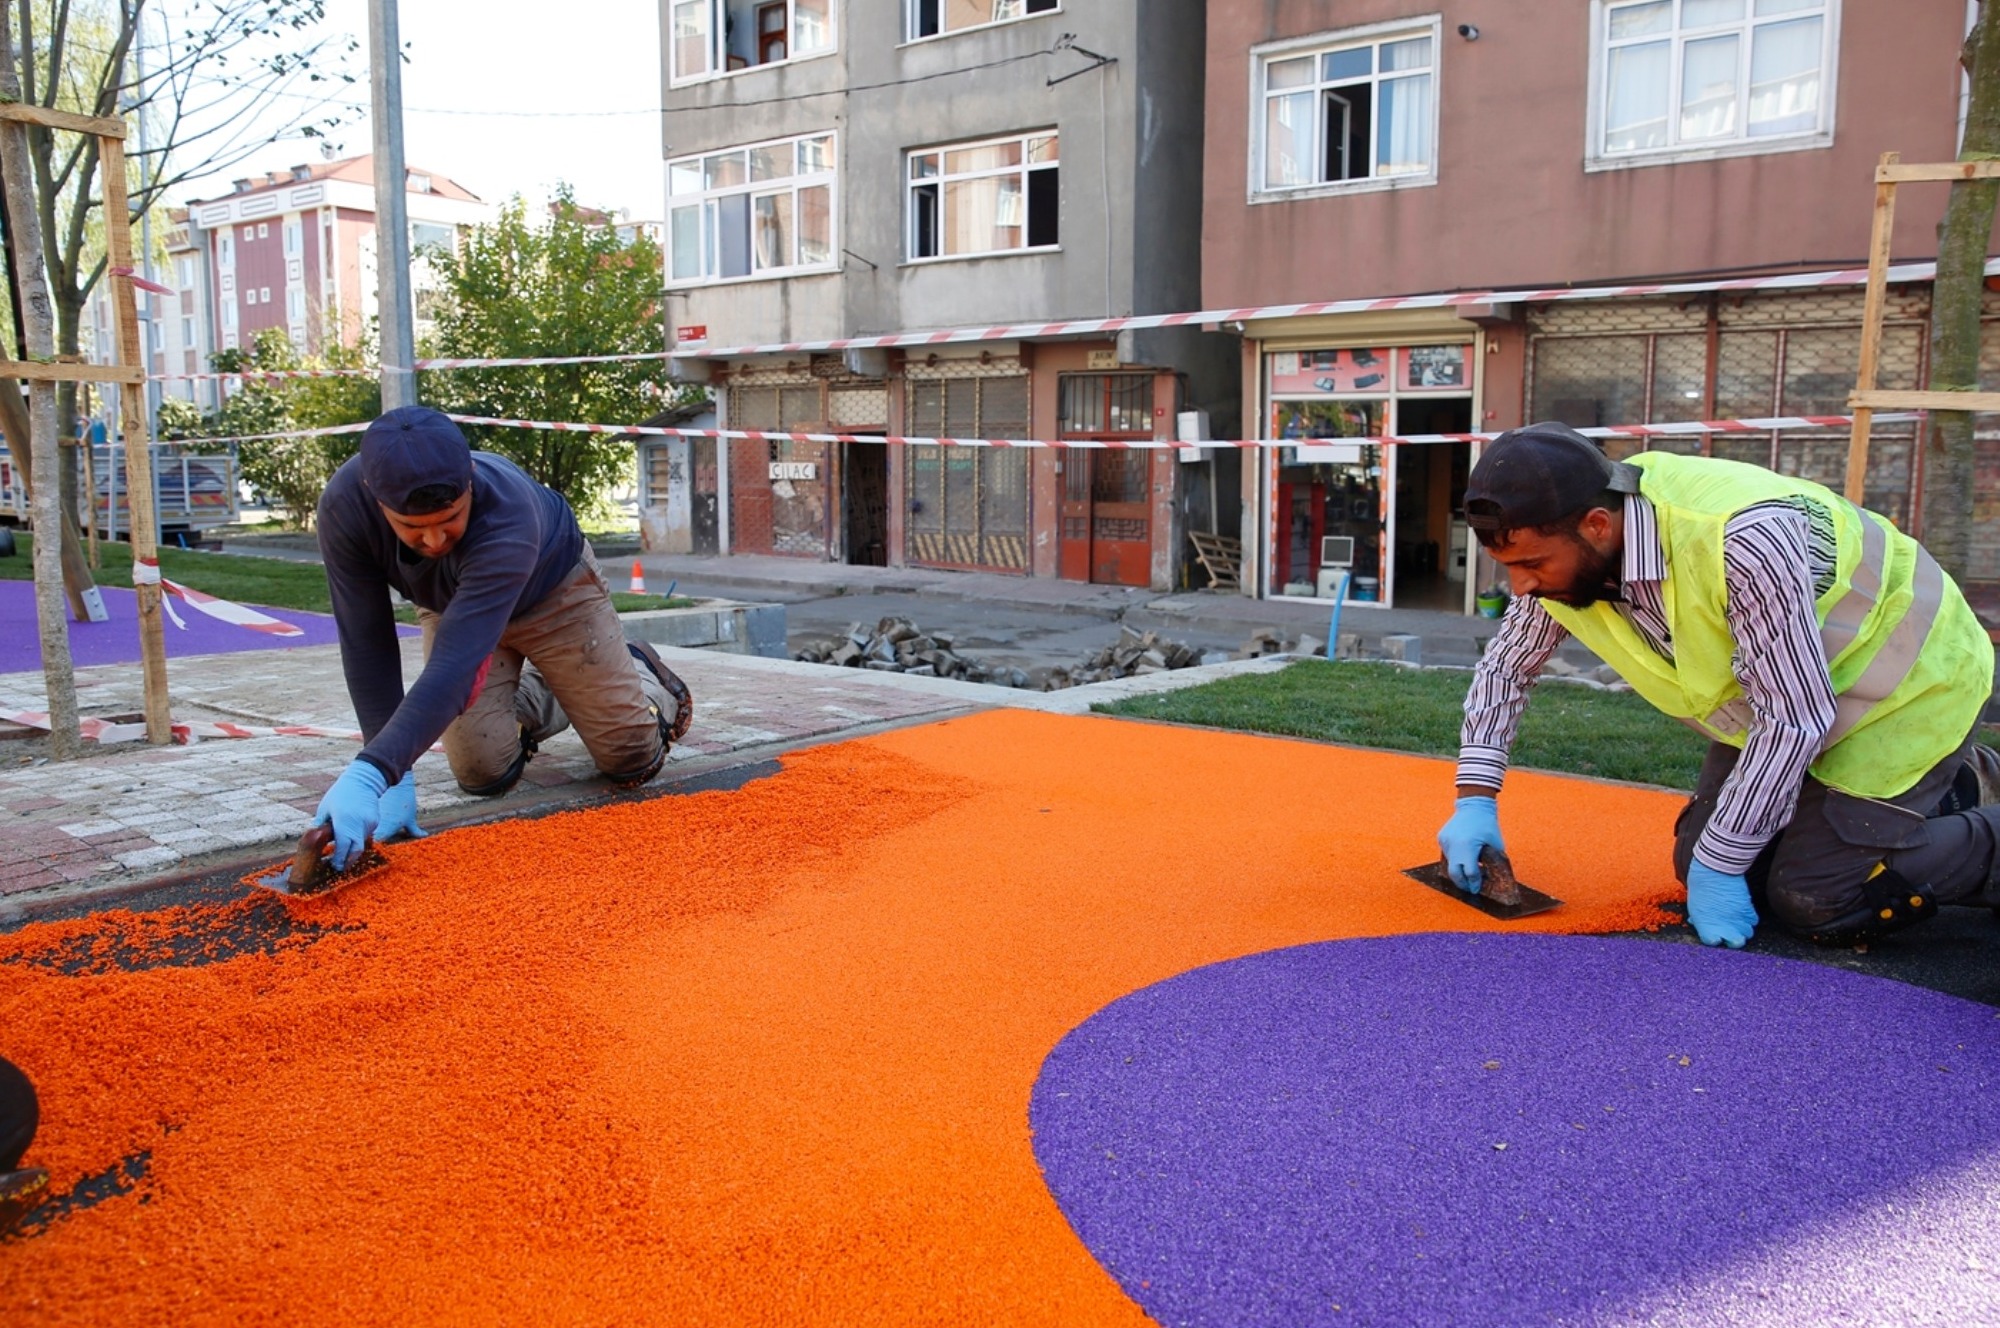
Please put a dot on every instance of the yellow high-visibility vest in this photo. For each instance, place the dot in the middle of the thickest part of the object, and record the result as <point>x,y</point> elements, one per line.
<point>1911,666</point>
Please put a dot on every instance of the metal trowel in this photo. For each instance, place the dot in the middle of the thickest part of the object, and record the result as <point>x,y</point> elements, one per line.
<point>1500,894</point>
<point>310,872</point>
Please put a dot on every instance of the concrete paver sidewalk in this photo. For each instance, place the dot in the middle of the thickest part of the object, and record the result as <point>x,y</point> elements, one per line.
<point>129,816</point>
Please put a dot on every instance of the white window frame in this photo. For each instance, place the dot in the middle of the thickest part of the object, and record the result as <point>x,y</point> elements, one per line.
<point>715,59</point>
<point>709,200</point>
<point>911,183</point>
<point>911,9</point>
<point>295,241</point>
<point>1325,43</point>
<point>1596,159</point>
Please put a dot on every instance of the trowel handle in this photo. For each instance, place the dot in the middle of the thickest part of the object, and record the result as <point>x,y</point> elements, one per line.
<point>310,861</point>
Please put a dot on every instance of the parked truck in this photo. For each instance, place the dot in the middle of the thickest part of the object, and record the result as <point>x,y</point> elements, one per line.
<point>193,491</point>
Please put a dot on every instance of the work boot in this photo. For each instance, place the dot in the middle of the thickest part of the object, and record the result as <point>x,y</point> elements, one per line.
<point>21,1193</point>
<point>647,660</point>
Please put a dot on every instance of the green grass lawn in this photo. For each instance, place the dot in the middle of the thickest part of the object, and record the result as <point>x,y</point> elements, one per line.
<point>1577,730</point>
<point>275,582</point>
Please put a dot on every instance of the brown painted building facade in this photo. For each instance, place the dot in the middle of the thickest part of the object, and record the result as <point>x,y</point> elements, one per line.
<point>1375,148</point>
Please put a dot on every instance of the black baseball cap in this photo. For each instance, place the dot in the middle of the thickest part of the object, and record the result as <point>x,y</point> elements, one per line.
<point>1539,474</point>
<point>411,448</point>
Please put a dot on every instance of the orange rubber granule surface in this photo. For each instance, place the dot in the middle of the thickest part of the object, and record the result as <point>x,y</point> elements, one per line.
<point>755,1057</point>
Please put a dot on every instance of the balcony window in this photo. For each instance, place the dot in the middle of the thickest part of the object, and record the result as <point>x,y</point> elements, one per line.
<point>989,197</point>
<point>712,37</point>
<point>1683,78</point>
<point>1358,108</point>
<point>762,210</point>
<point>934,18</point>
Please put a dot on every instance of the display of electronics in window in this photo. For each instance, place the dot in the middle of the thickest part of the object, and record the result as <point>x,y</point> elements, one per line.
<point>937,18</point>
<point>991,197</point>
<point>1375,372</point>
<point>1360,110</point>
<point>765,210</point>
<point>711,37</point>
<point>1704,73</point>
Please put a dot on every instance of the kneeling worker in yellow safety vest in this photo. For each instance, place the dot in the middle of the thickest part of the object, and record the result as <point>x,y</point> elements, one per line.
<point>1836,670</point>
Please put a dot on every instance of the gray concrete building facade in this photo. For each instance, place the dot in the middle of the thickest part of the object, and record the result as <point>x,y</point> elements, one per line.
<point>842,168</point>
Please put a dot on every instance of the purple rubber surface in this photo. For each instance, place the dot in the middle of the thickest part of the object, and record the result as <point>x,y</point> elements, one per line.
<point>117,641</point>
<point>1690,1136</point>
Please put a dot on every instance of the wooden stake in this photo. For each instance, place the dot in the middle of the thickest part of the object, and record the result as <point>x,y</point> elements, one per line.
<point>1871,323</point>
<point>138,450</point>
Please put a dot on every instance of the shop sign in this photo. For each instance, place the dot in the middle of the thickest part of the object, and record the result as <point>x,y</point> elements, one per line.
<point>1100,359</point>
<point>795,470</point>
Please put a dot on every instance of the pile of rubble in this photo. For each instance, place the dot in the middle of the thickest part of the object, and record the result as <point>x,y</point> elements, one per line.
<point>897,645</point>
<point>1135,653</point>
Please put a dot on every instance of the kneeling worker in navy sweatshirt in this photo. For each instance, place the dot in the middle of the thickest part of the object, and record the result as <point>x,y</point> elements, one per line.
<point>520,637</point>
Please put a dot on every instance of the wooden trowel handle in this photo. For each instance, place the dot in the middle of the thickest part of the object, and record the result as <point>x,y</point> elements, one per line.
<point>310,863</point>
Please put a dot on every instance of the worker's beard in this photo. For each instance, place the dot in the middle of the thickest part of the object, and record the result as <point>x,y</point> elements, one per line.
<point>1596,577</point>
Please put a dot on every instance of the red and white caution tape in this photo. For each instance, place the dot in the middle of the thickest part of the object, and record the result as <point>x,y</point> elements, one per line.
<point>1853,276</point>
<point>271,374</point>
<point>544,359</point>
<point>1765,425</point>
<point>146,572</point>
<point>184,731</point>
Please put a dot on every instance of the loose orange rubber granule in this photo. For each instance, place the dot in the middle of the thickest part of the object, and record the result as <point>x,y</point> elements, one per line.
<point>757,1057</point>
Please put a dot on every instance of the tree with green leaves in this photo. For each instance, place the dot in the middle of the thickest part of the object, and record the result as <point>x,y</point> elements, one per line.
<point>221,79</point>
<point>568,287</point>
<point>294,467</point>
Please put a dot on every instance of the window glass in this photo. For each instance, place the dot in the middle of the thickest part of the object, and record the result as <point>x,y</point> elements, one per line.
<point>1642,20</point>
<point>812,26</point>
<point>1635,113</point>
<point>720,227</point>
<point>725,169</point>
<point>771,162</point>
<point>815,155</point>
<point>1680,77</point>
<point>1708,89</point>
<point>773,220</point>
<point>815,225</point>
<point>994,197</point>
<point>1289,73</point>
<point>931,18</point>
<point>1353,112</point>
<point>1784,77</point>
<point>1708,13</point>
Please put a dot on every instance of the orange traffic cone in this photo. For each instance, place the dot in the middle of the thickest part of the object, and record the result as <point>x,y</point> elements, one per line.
<point>638,578</point>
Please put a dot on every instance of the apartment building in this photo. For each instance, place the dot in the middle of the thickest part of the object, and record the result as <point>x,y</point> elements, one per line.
<point>1382,148</point>
<point>843,168</point>
<point>296,249</point>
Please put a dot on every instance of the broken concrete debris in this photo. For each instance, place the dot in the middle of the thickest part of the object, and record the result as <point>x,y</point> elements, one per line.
<point>897,645</point>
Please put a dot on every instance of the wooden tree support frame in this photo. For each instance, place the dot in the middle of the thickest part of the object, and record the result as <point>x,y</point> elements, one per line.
<point>1866,398</point>
<point>130,374</point>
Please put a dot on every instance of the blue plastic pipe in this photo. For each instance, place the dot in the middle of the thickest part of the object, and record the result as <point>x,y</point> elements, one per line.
<point>1333,628</point>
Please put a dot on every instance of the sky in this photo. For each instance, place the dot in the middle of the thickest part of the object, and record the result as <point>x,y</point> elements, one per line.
<point>507,97</point>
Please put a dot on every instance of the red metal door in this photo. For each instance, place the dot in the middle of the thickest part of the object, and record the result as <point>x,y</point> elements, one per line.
<point>1073,549</point>
<point>1107,522</point>
<point>1121,526</point>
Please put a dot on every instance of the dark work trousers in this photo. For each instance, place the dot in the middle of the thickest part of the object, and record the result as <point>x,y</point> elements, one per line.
<point>18,1115</point>
<point>1816,870</point>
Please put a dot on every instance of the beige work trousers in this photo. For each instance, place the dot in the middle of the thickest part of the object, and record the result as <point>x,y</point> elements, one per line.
<point>561,664</point>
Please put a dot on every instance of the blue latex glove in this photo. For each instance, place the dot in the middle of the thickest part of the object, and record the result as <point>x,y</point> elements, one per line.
<point>354,805</point>
<point>1476,823</point>
<point>1719,906</point>
<point>399,809</point>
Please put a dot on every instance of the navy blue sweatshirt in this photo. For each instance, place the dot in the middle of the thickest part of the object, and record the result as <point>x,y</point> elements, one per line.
<point>521,543</point>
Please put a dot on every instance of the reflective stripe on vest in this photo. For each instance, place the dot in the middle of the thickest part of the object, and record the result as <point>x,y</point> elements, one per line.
<point>1898,655</point>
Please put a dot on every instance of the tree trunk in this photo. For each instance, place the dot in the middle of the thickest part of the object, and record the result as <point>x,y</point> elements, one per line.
<point>1949,451</point>
<point>17,178</point>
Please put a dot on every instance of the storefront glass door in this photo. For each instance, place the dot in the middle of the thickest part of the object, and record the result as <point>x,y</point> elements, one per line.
<point>1330,515</point>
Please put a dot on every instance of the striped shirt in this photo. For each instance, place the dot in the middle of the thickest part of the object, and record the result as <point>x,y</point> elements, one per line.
<point>1778,557</point>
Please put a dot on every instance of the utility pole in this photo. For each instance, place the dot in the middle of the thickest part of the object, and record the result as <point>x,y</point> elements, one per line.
<point>150,333</point>
<point>392,222</point>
